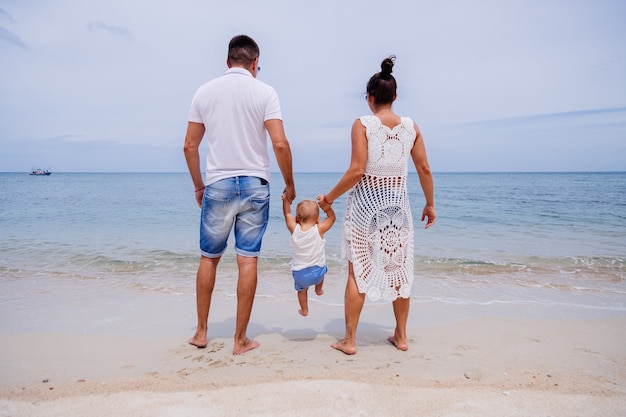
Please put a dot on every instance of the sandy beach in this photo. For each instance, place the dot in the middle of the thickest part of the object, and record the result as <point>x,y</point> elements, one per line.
<point>479,366</point>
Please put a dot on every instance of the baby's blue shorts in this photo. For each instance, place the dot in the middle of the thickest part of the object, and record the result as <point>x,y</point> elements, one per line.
<point>306,277</point>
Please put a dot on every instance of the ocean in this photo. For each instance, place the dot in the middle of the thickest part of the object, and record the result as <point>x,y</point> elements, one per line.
<point>550,245</point>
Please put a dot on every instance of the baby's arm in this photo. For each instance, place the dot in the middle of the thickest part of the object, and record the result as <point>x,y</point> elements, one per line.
<point>290,221</point>
<point>328,222</point>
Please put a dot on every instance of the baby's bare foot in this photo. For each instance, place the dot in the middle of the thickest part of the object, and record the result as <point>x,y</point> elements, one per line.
<point>303,312</point>
<point>319,290</point>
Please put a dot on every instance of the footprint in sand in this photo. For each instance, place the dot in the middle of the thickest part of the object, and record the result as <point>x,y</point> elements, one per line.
<point>215,347</point>
<point>217,363</point>
<point>591,352</point>
<point>464,347</point>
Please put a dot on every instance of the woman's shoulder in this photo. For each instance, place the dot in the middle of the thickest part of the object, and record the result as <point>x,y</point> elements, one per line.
<point>408,124</point>
<point>368,117</point>
<point>369,120</point>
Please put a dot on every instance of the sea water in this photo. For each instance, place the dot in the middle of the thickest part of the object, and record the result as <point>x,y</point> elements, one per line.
<point>531,242</point>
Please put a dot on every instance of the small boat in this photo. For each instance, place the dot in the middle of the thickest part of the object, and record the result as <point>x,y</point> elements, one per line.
<point>40,171</point>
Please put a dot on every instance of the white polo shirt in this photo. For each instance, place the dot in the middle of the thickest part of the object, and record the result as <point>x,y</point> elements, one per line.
<point>233,109</point>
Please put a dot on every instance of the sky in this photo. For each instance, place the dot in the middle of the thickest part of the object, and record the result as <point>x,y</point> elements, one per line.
<point>528,85</point>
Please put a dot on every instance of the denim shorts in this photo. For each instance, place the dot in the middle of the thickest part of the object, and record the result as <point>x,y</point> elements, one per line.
<point>239,202</point>
<point>306,277</point>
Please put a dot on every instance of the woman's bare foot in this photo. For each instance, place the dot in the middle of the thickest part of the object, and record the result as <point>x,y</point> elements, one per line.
<point>400,346</point>
<point>344,347</point>
<point>303,312</point>
<point>246,346</point>
<point>198,341</point>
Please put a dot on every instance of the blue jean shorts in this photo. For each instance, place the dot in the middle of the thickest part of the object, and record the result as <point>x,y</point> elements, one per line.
<point>239,202</point>
<point>306,277</point>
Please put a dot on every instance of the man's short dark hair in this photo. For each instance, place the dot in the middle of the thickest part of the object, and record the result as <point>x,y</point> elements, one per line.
<point>242,50</point>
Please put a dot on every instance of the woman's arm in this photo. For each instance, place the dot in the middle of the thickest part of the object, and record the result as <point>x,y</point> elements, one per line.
<point>420,159</point>
<point>355,171</point>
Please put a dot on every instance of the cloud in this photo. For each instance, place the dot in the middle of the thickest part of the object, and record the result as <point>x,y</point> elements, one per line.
<point>487,92</point>
<point>70,137</point>
<point>10,37</point>
<point>589,140</point>
<point>110,29</point>
<point>7,35</point>
<point>615,116</point>
<point>8,16</point>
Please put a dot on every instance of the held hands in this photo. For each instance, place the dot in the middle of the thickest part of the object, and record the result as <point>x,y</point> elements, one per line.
<point>429,213</point>
<point>289,194</point>
<point>323,202</point>
<point>286,204</point>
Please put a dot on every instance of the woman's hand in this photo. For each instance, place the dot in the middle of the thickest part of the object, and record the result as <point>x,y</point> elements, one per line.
<point>429,214</point>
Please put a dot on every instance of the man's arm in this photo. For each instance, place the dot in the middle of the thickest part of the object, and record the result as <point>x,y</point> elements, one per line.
<point>195,133</point>
<point>282,151</point>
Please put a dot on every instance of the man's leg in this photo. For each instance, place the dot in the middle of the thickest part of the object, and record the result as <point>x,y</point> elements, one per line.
<point>246,289</point>
<point>205,282</point>
<point>250,225</point>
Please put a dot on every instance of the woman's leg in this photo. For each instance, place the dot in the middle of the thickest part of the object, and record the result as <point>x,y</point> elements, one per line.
<point>353,304</point>
<point>401,311</point>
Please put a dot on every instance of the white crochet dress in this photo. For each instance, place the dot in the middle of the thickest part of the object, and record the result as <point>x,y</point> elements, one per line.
<point>377,223</point>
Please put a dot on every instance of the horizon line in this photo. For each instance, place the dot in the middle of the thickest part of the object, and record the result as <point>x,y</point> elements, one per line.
<point>341,172</point>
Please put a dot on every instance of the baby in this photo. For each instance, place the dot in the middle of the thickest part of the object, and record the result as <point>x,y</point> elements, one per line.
<point>308,265</point>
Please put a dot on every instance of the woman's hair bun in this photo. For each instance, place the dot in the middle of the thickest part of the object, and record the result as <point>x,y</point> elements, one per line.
<point>386,67</point>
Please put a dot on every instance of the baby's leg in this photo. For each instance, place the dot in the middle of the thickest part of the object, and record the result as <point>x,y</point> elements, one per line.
<point>318,288</point>
<point>304,302</point>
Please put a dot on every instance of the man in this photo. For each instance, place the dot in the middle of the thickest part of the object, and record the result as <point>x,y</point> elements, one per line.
<point>234,112</point>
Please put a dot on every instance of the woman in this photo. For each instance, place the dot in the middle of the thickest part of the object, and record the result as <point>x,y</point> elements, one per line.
<point>377,224</point>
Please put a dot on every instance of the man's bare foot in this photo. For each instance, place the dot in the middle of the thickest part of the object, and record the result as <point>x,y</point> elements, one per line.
<point>197,341</point>
<point>247,346</point>
<point>343,347</point>
<point>399,346</point>
<point>303,312</point>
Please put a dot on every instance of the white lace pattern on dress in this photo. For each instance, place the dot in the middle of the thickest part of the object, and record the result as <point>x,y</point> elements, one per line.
<point>377,224</point>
